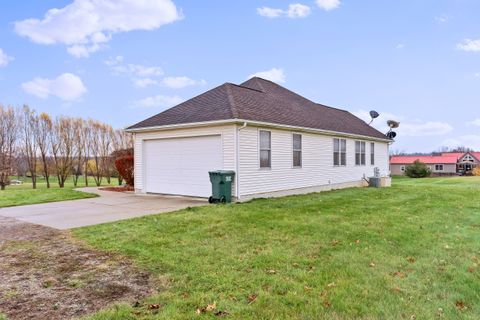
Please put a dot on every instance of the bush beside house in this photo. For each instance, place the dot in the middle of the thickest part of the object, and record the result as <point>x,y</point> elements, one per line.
<point>418,170</point>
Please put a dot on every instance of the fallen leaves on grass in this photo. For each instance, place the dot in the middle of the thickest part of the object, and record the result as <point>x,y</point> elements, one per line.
<point>207,308</point>
<point>271,271</point>
<point>251,298</point>
<point>372,265</point>
<point>334,242</point>
<point>221,313</point>
<point>399,274</point>
<point>411,259</point>
<point>153,306</point>
<point>460,305</point>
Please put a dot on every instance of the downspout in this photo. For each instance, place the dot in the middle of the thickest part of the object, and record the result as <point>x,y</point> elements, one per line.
<point>237,178</point>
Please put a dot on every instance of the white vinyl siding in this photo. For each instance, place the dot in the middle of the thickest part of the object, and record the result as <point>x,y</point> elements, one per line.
<point>228,143</point>
<point>317,169</point>
<point>297,150</point>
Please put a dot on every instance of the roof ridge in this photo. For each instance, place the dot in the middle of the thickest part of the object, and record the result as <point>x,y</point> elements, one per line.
<point>259,83</point>
<point>243,87</point>
<point>231,100</point>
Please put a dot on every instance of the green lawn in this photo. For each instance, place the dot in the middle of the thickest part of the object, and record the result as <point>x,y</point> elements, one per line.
<point>407,252</point>
<point>24,194</point>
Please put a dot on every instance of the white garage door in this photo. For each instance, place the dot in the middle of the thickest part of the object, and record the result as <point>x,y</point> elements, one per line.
<point>181,165</point>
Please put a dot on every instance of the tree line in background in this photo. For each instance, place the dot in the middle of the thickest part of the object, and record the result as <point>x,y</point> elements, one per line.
<point>34,144</point>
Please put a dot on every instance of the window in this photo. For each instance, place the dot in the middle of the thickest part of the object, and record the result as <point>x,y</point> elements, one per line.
<point>359,153</point>
<point>339,152</point>
<point>372,153</point>
<point>402,168</point>
<point>439,167</point>
<point>297,150</point>
<point>265,149</point>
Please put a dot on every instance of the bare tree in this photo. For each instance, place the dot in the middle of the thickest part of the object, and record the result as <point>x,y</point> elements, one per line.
<point>45,127</point>
<point>106,148</point>
<point>86,139</point>
<point>78,149</point>
<point>30,146</point>
<point>8,136</point>
<point>62,148</point>
<point>94,166</point>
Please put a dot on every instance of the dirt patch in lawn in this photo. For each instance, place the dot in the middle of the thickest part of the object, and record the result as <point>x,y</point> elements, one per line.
<point>46,274</point>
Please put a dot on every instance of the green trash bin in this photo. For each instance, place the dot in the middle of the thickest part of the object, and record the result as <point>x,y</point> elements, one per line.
<point>221,186</point>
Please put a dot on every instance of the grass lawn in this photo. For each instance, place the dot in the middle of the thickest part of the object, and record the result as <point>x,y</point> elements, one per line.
<point>407,252</point>
<point>24,194</point>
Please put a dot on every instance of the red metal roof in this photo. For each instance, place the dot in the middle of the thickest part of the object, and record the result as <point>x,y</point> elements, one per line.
<point>444,159</point>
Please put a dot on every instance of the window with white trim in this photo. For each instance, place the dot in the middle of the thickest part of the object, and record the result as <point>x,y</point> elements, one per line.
<point>402,168</point>
<point>439,167</point>
<point>339,152</point>
<point>372,153</point>
<point>297,150</point>
<point>265,138</point>
<point>359,153</point>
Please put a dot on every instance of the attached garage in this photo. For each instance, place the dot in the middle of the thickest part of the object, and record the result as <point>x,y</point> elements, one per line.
<point>180,165</point>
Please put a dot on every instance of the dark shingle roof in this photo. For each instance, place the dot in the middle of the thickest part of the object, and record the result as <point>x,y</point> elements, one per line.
<point>260,100</point>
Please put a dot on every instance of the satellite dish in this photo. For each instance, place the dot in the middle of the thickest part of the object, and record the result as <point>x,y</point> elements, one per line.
<point>391,135</point>
<point>374,115</point>
<point>393,124</point>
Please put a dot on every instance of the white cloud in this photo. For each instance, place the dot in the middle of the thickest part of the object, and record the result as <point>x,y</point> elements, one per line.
<point>298,10</point>
<point>475,123</point>
<point>141,75</point>
<point>400,46</point>
<point>470,141</point>
<point>295,10</point>
<point>144,82</point>
<point>411,128</point>
<point>328,5</point>
<point>67,86</point>
<point>84,26</point>
<point>158,101</point>
<point>429,128</point>
<point>270,12</point>
<point>274,74</point>
<point>181,82</point>
<point>442,18</point>
<point>469,45</point>
<point>4,59</point>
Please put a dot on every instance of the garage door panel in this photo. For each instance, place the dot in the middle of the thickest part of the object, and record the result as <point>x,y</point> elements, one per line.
<point>181,165</point>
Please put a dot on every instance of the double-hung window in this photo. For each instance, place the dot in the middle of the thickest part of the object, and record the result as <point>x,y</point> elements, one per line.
<point>265,149</point>
<point>359,153</point>
<point>339,152</point>
<point>297,150</point>
<point>372,153</point>
<point>439,167</point>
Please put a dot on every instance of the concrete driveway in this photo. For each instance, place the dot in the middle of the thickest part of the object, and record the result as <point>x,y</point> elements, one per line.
<point>110,206</point>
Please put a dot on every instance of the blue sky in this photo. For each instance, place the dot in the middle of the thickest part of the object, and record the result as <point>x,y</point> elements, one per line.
<point>416,61</point>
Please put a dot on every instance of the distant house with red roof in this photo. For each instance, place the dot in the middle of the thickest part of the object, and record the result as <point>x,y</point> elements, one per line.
<point>448,163</point>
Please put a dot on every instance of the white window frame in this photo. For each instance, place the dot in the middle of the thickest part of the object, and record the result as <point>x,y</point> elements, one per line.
<point>402,168</point>
<point>437,166</point>
<point>372,153</point>
<point>340,151</point>
<point>360,152</point>
<point>297,150</point>
<point>267,149</point>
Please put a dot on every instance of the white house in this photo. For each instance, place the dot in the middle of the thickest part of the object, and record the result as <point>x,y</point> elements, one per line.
<point>276,141</point>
